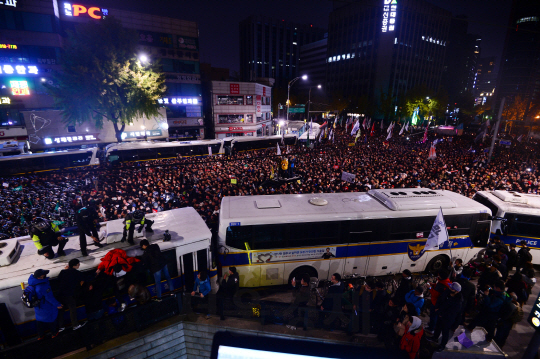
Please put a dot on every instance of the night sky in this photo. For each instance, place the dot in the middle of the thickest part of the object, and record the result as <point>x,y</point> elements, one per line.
<point>218,20</point>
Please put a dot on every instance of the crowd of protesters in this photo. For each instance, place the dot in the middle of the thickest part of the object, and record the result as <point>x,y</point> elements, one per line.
<point>496,303</point>
<point>461,166</point>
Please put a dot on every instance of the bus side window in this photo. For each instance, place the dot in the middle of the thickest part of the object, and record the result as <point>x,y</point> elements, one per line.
<point>237,236</point>
<point>269,236</point>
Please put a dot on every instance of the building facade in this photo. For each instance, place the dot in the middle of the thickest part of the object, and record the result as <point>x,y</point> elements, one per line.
<point>520,67</point>
<point>485,79</point>
<point>386,46</point>
<point>271,48</point>
<point>313,63</point>
<point>31,38</point>
<point>241,109</point>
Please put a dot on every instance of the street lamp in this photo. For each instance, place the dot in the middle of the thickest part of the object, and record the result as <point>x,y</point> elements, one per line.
<point>143,58</point>
<point>309,99</point>
<point>304,77</point>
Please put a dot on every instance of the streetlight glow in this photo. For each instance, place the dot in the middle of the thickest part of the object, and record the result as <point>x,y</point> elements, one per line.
<point>319,86</point>
<point>143,58</point>
<point>304,77</point>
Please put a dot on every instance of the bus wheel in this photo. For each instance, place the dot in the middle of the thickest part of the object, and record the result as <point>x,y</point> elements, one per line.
<point>438,263</point>
<point>299,272</point>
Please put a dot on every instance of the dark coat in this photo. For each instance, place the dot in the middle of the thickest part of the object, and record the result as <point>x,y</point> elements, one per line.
<point>512,259</point>
<point>405,286</point>
<point>153,259</point>
<point>448,307</point>
<point>230,286</point>
<point>468,290</point>
<point>70,282</point>
<point>333,297</point>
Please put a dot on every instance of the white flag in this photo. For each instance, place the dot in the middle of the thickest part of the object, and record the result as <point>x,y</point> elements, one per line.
<point>389,135</point>
<point>390,128</point>
<point>438,234</point>
<point>278,149</point>
<point>402,129</point>
<point>209,151</point>
<point>407,126</point>
<point>355,128</point>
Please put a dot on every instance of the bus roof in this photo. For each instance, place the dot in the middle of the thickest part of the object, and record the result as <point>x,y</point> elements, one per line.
<point>260,138</point>
<point>313,133</point>
<point>47,154</point>
<point>144,144</point>
<point>514,202</point>
<point>185,225</point>
<point>380,203</point>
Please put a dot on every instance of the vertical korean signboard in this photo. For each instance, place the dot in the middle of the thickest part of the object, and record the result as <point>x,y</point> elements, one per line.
<point>389,15</point>
<point>259,105</point>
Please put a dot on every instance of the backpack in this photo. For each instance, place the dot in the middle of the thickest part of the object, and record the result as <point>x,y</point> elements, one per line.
<point>30,298</point>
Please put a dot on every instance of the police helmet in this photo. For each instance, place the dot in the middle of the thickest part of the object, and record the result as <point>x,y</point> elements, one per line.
<point>138,215</point>
<point>40,224</point>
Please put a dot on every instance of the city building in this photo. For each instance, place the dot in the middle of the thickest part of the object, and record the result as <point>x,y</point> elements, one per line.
<point>313,63</point>
<point>241,109</point>
<point>463,52</point>
<point>209,74</point>
<point>376,47</point>
<point>31,37</point>
<point>519,74</point>
<point>485,79</point>
<point>271,48</point>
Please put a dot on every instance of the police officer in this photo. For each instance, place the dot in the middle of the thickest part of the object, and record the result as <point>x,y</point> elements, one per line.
<point>131,220</point>
<point>86,221</point>
<point>46,235</point>
<point>228,288</point>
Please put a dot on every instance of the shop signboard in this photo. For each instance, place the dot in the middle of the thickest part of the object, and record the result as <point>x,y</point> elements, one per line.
<point>234,89</point>
<point>259,106</point>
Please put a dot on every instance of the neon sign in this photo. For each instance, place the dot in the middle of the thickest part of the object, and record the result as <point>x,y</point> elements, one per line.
<point>5,101</point>
<point>19,69</point>
<point>77,10</point>
<point>178,101</point>
<point>19,88</point>
<point>69,139</point>
<point>8,46</point>
<point>389,15</point>
<point>9,2</point>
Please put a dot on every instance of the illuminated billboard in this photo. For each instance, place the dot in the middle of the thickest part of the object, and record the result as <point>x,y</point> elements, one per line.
<point>389,15</point>
<point>19,88</point>
<point>80,10</point>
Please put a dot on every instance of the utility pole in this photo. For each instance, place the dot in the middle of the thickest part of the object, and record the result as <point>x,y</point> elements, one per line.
<point>496,130</point>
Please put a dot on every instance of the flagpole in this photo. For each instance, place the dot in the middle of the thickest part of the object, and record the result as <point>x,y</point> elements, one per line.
<point>447,236</point>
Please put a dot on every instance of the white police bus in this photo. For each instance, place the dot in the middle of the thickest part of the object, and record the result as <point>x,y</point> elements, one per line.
<point>270,239</point>
<point>48,161</point>
<point>146,151</point>
<point>516,217</point>
<point>186,253</point>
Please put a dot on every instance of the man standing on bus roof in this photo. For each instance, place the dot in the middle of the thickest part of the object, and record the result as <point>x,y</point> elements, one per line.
<point>46,235</point>
<point>87,219</point>
<point>131,220</point>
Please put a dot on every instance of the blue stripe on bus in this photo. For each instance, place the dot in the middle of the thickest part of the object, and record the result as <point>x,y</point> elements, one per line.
<point>531,241</point>
<point>357,250</point>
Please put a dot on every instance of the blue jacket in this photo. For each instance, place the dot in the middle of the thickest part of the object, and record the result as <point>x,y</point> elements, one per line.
<point>495,301</point>
<point>418,302</point>
<point>47,311</point>
<point>204,286</point>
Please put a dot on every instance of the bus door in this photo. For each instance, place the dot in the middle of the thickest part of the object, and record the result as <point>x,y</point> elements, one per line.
<point>384,258</point>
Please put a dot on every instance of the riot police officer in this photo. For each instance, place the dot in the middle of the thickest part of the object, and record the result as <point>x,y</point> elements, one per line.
<point>87,219</point>
<point>46,235</point>
<point>131,220</point>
